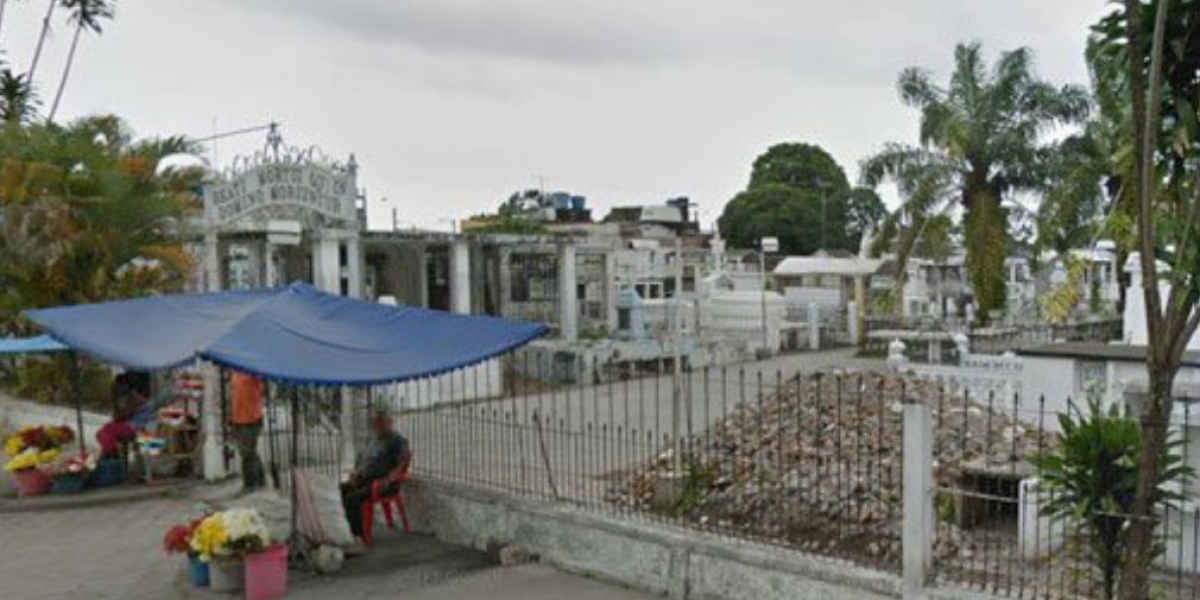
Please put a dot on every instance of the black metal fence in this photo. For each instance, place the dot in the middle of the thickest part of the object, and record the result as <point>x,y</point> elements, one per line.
<point>807,461</point>
<point>301,428</point>
<point>810,462</point>
<point>999,529</point>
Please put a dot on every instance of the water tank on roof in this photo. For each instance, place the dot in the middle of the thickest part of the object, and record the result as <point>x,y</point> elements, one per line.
<point>560,200</point>
<point>578,203</point>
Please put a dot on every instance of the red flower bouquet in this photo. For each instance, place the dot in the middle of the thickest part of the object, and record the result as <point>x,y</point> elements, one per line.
<point>178,539</point>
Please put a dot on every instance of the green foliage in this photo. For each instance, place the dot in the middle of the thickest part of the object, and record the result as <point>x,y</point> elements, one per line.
<point>790,187</point>
<point>86,215</point>
<point>936,242</point>
<point>797,165</point>
<point>698,480</point>
<point>18,99</point>
<point>1093,476</point>
<point>1058,303</point>
<point>981,139</point>
<point>864,211</point>
<point>1108,51</point>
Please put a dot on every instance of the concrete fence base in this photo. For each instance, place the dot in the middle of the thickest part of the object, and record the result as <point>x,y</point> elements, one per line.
<point>659,559</point>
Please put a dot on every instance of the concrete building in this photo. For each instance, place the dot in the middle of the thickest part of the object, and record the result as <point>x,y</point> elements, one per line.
<point>280,215</point>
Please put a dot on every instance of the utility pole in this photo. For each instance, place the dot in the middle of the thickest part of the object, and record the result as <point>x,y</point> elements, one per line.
<point>824,187</point>
<point>677,387</point>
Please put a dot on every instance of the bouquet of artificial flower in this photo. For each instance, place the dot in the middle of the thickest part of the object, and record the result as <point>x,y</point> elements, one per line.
<point>233,532</point>
<point>38,437</point>
<point>178,539</point>
<point>31,458</point>
<point>73,465</point>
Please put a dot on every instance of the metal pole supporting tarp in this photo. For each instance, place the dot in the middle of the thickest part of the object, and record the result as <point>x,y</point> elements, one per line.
<point>294,451</point>
<point>75,386</point>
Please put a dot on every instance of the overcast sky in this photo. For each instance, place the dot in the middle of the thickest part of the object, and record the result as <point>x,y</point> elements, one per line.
<point>450,105</point>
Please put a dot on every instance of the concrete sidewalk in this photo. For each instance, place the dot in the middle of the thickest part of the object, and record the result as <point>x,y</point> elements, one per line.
<point>527,582</point>
<point>114,552</point>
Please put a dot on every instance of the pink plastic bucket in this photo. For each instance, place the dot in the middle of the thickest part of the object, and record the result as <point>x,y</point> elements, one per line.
<point>31,482</point>
<point>266,573</point>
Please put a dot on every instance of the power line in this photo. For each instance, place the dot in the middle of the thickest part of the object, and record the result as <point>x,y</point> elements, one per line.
<point>235,132</point>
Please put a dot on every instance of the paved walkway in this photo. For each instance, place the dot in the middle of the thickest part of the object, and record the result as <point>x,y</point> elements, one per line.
<point>114,552</point>
<point>529,582</point>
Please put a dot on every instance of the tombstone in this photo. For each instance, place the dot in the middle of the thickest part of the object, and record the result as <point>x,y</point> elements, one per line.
<point>896,358</point>
<point>962,344</point>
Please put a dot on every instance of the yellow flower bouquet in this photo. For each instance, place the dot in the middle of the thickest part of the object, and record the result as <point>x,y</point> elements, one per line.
<point>32,458</point>
<point>231,533</point>
<point>39,437</point>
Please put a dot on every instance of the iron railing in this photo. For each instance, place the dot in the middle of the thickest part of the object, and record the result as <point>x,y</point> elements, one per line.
<point>806,461</point>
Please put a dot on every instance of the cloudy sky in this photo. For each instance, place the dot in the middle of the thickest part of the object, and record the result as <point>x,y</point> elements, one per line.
<point>450,105</point>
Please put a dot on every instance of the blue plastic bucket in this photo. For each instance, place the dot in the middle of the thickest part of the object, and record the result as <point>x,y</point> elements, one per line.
<point>197,571</point>
<point>68,483</point>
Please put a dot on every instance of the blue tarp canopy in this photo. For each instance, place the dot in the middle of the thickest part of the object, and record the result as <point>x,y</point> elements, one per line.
<point>31,345</point>
<point>295,334</point>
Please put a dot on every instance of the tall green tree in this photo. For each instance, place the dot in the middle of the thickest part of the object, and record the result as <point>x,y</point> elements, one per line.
<point>85,15</point>
<point>800,194</point>
<point>18,100</point>
<point>1149,52</point>
<point>981,140</point>
<point>87,215</point>
<point>804,166</point>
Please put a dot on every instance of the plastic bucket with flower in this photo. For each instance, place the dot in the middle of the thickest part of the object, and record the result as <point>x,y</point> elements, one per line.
<point>68,483</point>
<point>29,451</point>
<point>266,573</point>
<point>178,540</point>
<point>224,538</point>
<point>198,572</point>
<point>226,574</point>
<point>32,481</point>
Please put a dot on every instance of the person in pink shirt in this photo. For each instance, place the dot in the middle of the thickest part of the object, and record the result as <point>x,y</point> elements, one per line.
<point>129,395</point>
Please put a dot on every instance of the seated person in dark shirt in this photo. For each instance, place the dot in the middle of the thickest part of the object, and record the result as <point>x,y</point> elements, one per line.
<point>382,457</point>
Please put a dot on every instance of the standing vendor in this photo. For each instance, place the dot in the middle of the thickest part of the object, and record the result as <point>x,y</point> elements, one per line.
<point>247,422</point>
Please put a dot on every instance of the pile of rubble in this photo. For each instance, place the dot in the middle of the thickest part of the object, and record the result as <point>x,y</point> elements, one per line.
<point>817,465</point>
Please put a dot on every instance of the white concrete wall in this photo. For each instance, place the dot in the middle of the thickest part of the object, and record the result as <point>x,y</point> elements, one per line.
<point>830,300</point>
<point>667,561</point>
<point>1135,307</point>
<point>743,312</point>
<point>485,380</point>
<point>1040,535</point>
<point>1052,378</point>
<point>15,414</point>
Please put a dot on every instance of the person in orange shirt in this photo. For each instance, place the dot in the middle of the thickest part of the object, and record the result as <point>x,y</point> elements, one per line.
<point>247,422</point>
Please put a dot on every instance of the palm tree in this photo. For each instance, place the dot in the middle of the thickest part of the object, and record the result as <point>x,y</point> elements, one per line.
<point>85,14</point>
<point>37,53</point>
<point>980,141</point>
<point>18,100</point>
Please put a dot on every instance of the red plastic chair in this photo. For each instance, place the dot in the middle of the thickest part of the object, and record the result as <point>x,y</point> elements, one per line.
<point>386,498</point>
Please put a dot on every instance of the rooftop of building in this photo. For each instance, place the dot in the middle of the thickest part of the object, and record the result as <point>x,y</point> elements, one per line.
<point>1101,351</point>
<point>826,264</point>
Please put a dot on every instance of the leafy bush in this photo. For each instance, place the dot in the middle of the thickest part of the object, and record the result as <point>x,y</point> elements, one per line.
<point>1093,477</point>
